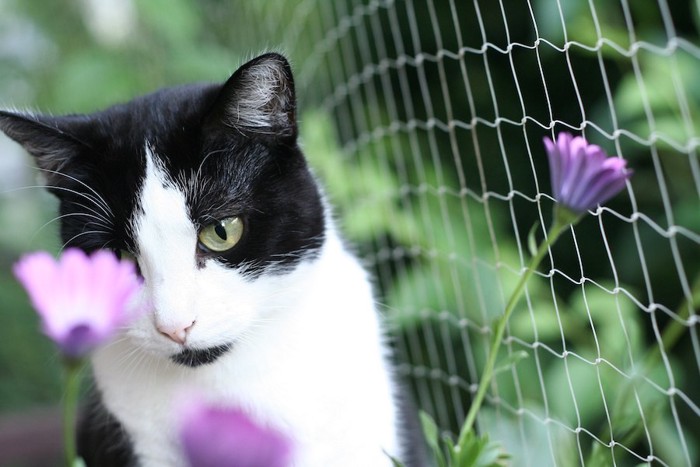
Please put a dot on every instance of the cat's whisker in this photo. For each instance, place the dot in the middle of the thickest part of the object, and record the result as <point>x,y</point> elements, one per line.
<point>137,357</point>
<point>130,367</point>
<point>105,216</point>
<point>120,339</point>
<point>258,324</point>
<point>100,201</point>
<point>44,187</point>
<point>220,322</point>
<point>107,220</point>
<point>87,232</point>
<point>127,357</point>
<point>96,214</point>
<point>73,214</point>
<point>22,188</point>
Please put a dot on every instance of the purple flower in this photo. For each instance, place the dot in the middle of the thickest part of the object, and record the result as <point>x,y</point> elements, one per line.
<point>227,437</point>
<point>582,174</point>
<point>82,300</point>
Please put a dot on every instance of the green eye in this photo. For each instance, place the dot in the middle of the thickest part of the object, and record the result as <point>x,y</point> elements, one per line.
<point>222,235</point>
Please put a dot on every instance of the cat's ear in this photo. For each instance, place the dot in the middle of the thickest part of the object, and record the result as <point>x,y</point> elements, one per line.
<point>259,99</point>
<point>50,140</point>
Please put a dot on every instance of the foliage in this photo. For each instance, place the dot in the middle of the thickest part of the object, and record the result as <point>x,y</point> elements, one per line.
<point>588,328</point>
<point>473,451</point>
<point>600,359</point>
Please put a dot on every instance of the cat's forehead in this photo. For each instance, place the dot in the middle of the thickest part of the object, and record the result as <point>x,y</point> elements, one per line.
<point>168,120</point>
<point>165,129</point>
<point>162,223</point>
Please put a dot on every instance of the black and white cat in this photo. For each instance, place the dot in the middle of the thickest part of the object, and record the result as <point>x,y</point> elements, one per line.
<point>256,302</point>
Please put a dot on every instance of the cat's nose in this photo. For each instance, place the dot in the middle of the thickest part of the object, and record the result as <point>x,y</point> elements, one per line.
<point>177,334</point>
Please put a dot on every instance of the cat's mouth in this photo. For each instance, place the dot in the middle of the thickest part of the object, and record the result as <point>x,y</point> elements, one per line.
<point>197,357</point>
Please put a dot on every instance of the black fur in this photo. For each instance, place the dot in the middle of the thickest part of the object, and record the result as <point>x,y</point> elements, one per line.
<point>101,439</point>
<point>197,357</point>
<point>411,432</point>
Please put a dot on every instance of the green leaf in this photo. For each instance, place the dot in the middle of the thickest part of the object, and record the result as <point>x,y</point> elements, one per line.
<point>478,451</point>
<point>430,429</point>
<point>452,450</point>
<point>394,461</point>
<point>531,240</point>
<point>432,437</point>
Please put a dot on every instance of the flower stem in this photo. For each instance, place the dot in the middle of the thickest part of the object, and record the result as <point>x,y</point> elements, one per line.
<point>70,405</point>
<point>562,219</point>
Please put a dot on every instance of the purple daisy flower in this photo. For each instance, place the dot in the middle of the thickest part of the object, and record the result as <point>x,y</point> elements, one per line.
<point>583,176</point>
<point>82,300</point>
<point>227,437</point>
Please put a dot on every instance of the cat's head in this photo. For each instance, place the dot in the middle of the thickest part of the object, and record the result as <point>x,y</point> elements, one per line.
<point>204,185</point>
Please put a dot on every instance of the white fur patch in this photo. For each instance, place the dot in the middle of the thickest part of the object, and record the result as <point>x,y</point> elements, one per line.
<point>167,241</point>
<point>308,355</point>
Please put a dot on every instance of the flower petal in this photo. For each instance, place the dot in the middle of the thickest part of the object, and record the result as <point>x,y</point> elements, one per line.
<point>607,184</point>
<point>81,299</point>
<point>555,165</point>
<point>594,159</point>
<point>576,164</point>
<point>582,174</point>
<point>227,437</point>
<point>37,272</point>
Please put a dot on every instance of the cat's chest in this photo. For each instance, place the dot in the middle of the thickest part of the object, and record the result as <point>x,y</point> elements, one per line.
<point>146,398</point>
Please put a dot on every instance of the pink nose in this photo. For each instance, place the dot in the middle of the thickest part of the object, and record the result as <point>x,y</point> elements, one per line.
<point>177,335</point>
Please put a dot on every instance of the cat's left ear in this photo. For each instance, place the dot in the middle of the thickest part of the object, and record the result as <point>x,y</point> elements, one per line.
<point>51,140</point>
<point>259,99</point>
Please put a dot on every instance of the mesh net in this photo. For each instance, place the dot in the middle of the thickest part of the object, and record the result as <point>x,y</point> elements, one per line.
<point>439,110</point>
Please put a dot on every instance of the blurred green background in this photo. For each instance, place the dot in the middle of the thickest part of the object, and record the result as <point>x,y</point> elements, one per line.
<point>425,121</point>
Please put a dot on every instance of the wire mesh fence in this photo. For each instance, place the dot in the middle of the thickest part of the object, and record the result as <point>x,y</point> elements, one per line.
<point>440,109</point>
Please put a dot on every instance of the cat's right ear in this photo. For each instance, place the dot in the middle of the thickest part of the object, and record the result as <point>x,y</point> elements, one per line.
<point>48,139</point>
<point>259,100</point>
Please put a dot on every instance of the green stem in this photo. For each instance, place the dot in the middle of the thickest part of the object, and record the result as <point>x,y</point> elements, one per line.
<point>562,220</point>
<point>70,406</point>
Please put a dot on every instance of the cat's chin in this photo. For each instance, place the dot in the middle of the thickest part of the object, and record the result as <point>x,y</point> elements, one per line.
<point>198,357</point>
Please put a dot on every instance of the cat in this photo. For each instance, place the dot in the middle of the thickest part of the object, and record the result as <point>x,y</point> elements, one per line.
<point>255,300</point>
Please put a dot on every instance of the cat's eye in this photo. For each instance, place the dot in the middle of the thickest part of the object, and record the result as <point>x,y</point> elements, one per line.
<point>222,235</point>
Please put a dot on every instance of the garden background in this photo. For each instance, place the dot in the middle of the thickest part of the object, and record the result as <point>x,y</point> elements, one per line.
<point>425,120</point>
